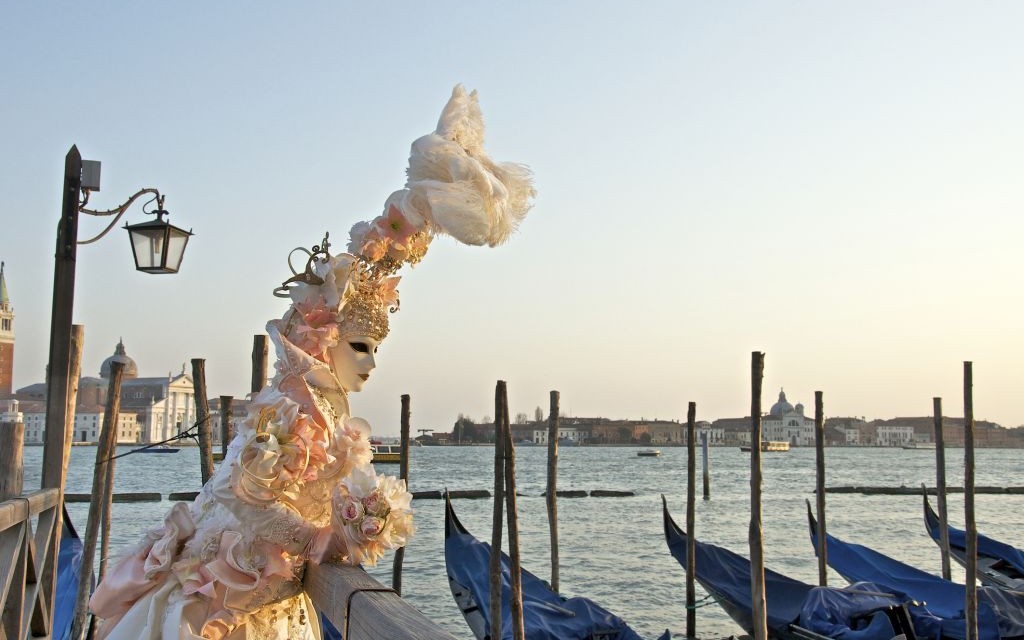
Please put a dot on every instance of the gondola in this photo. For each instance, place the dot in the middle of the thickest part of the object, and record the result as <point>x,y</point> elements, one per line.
<point>796,610</point>
<point>69,567</point>
<point>1000,613</point>
<point>546,614</point>
<point>999,565</point>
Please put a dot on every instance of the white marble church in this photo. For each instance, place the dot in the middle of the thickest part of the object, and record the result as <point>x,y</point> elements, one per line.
<point>787,423</point>
<point>152,409</point>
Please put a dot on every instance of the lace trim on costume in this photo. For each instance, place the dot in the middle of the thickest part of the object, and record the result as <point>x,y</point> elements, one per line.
<point>287,533</point>
<point>289,616</point>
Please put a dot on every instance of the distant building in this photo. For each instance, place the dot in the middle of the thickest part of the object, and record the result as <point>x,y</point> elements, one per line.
<point>6,338</point>
<point>894,435</point>
<point>787,423</point>
<point>152,409</point>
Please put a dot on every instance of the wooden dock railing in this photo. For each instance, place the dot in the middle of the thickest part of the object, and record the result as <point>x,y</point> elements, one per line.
<point>25,557</point>
<point>363,609</point>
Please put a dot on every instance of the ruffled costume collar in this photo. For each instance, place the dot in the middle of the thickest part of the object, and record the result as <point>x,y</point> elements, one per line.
<point>300,374</point>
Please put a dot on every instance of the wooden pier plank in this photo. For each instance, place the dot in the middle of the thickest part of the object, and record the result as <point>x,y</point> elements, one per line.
<point>348,594</point>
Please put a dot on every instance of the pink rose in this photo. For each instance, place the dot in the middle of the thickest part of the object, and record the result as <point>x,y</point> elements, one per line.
<point>371,526</point>
<point>376,504</point>
<point>351,510</point>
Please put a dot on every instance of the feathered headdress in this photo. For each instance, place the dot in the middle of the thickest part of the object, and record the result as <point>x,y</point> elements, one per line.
<point>452,188</point>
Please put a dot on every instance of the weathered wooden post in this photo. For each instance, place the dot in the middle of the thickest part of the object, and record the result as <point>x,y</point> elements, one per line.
<point>100,498</point>
<point>970,526</point>
<point>496,522</point>
<point>691,519</point>
<point>515,566</point>
<point>259,363</point>
<point>203,419</point>
<point>74,375</point>
<point>63,365</point>
<point>12,468</point>
<point>226,432</point>
<point>819,465</point>
<point>551,495</point>
<point>113,408</point>
<point>108,499</point>
<point>706,459</point>
<point>57,453</point>
<point>403,473</point>
<point>940,486</point>
<point>759,620</point>
<point>12,484</point>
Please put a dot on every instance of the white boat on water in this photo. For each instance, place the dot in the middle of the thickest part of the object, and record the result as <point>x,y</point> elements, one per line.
<point>919,445</point>
<point>649,453</point>
<point>386,453</point>
<point>769,445</point>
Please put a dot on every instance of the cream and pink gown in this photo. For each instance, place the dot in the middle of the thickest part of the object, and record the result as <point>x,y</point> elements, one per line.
<point>230,565</point>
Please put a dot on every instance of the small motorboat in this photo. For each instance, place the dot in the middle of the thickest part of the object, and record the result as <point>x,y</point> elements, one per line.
<point>999,565</point>
<point>156,448</point>
<point>649,453</point>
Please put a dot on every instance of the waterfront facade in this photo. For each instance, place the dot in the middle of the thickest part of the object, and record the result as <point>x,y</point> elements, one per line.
<point>787,423</point>
<point>153,409</point>
<point>6,338</point>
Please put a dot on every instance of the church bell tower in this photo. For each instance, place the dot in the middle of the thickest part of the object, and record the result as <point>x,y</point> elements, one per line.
<point>6,338</point>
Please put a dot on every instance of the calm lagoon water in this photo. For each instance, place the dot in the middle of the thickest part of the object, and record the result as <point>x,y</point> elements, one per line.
<point>612,549</point>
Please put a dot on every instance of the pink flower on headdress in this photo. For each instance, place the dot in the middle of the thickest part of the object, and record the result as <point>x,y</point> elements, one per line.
<point>316,330</point>
<point>388,291</point>
<point>375,248</point>
<point>395,226</point>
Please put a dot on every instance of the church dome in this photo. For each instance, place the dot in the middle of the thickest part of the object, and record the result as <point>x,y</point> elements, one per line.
<point>130,370</point>
<point>781,407</point>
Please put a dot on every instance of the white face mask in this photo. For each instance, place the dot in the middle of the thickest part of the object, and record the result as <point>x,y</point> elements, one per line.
<point>352,360</point>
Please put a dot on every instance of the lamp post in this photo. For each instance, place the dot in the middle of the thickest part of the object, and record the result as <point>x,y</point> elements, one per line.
<point>150,257</point>
<point>157,246</point>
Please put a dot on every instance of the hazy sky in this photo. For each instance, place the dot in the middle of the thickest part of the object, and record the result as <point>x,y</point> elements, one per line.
<point>835,184</point>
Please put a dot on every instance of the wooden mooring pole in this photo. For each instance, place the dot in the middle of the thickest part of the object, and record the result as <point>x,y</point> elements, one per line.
<point>203,419</point>
<point>970,526</point>
<point>515,566</point>
<point>56,455</point>
<point>819,466</point>
<point>759,619</point>
<point>691,518</point>
<point>496,521</point>
<point>259,363</point>
<point>403,473</point>
<point>940,486</point>
<point>226,432</point>
<point>74,374</point>
<point>551,495</point>
<point>12,468</point>
<point>706,460</point>
<point>101,492</point>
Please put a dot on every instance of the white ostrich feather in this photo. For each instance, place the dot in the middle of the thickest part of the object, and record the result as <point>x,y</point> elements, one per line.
<point>457,187</point>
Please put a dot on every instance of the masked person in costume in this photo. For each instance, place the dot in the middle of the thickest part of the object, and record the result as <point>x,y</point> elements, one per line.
<point>296,485</point>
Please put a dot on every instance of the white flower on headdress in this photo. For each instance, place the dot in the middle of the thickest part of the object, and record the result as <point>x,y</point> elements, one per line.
<point>337,280</point>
